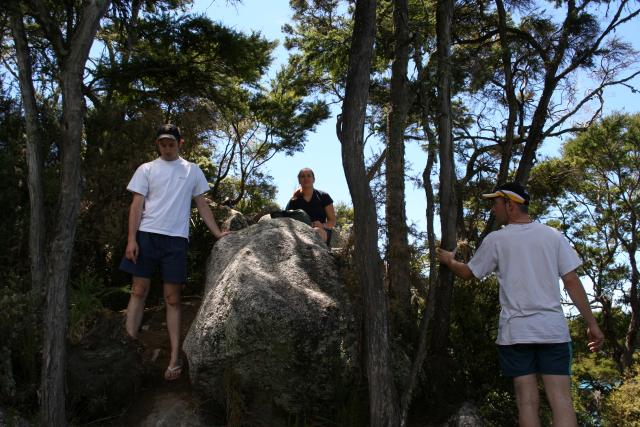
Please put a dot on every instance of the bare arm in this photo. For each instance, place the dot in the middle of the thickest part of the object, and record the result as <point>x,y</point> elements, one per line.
<point>576,292</point>
<point>331,216</point>
<point>207,216</point>
<point>135,215</point>
<point>458,268</point>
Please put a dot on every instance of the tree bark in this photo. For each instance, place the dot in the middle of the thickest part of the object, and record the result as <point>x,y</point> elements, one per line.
<point>37,236</point>
<point>631,337</point>
<point>421,351</point>
<point>72,60</point>
<point>448,203</point>
<point>535,135</point>
<point>512,101</point>
<point>383,405</point>
<point>398,254</point>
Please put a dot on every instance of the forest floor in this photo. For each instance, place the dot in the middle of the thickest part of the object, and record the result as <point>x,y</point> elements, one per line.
<point>160,402</point>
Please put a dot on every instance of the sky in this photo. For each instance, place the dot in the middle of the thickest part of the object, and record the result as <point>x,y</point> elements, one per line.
<point>322,150</point>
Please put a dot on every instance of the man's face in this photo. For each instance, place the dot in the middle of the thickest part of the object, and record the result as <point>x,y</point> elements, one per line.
<point>499,210</point>
<point>169,148</point>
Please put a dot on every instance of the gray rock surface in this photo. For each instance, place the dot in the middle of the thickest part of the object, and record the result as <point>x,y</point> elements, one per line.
<point>272,338</point>
<point>467,416</point>
<point>229,219</point>
<point>173,410</point>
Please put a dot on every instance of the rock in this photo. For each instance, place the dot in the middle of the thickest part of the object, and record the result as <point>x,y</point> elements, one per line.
<point>173,410</point>
<point>231,219</point>
<point>104,371</point>
<point>264,217</point>
<point>467,416</point>
<point>341,236</point>
<point>235,221</point>
<point>272,340</point>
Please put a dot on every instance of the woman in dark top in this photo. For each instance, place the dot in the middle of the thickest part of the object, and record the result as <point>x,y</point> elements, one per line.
<point>317,204</point>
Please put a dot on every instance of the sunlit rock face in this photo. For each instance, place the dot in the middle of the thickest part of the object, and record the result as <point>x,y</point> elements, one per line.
<point>274,335</point>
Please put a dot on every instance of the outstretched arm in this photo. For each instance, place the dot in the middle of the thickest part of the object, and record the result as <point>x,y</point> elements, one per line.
<point>460,269</point>
<point>574,287</point>
<point>207,216</point>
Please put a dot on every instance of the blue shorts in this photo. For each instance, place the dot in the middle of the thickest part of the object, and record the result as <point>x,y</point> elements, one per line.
<point>546,359</point>
<point>158,250</point>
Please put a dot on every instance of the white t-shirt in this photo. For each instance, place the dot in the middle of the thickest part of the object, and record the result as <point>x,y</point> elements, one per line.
<point>528,259</point>
<point>168,187</point>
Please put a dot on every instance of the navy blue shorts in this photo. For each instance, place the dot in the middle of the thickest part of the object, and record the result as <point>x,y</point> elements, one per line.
<point>546,359</point>
<point>159,251</point>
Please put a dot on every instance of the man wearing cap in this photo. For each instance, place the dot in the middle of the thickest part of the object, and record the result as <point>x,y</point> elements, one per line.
<point>533,338</point>
<point>159,232</point>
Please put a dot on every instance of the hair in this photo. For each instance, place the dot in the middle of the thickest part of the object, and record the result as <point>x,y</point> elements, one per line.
<point>523,208</point>
<point>306,169</point>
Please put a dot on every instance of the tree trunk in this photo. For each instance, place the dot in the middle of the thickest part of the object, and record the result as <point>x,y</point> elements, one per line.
<point>37,237</point>
<point>632,330</point>
<point>448,203</point>
<point>398,254</point>
<point>421,351</point>
<point>512,102</point>
<point>383,405</point>
<point>72,62</point>
<point>609,330</point>
<point>536,134</point>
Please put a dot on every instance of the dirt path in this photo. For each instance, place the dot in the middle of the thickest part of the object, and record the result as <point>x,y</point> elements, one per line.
<point>161,402</point>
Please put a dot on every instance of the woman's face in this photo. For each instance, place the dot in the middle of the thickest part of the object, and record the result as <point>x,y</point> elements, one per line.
<point>305,178</point>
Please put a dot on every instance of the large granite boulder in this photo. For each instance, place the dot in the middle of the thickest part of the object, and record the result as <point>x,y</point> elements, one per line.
<point>272,339</point>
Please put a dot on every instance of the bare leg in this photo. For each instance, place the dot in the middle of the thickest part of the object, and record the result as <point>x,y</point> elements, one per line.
<point>135,308</point>
<point>528,400</point>
<point>172,302</point>
<point>558,390</point>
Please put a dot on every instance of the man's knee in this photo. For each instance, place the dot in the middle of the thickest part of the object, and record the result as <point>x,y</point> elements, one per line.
<point>558,388</point>
<point>172,295</point>
<point>526,388</point>
<point>140,288</point>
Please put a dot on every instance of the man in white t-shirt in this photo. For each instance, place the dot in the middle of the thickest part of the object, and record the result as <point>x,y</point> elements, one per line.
<point>533,338</point>
<point>159,232</point>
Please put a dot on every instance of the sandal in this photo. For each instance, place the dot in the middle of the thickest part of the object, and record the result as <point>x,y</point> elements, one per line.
<point>173,372</point>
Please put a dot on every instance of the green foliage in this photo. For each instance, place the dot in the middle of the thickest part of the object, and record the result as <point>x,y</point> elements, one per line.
<point>498,408</point>
<point>622,406</point>
<point>593,374</point>
<point>284,109</point>
<point>14,197</point>
<point>86,296</point>
<point>181,58</point>
<point>20,342</point>
<point>344,214</point>
<point>474,326</point>
<point>322,34</point>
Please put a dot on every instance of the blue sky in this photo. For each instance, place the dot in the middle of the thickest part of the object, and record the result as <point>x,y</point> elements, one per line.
<point>322,151</point>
